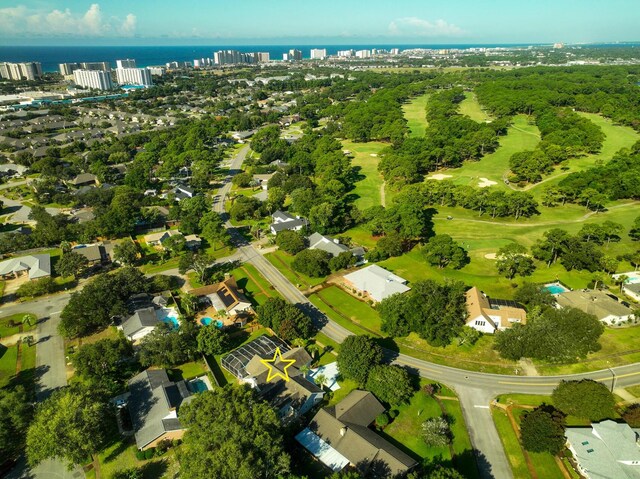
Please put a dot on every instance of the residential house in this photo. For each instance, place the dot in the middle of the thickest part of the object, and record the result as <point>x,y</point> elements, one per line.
<point>290,398</point>
<point>35,265</point>
<point>376,282</point>
<point>490,315</point>
<point>154,402</point>
<point>605,450</point>
<point>225,296</point>
<point>630,283</point>
<point>242,136</point>
<point>284,221</point>
<point>632,290</point>
<point>193,242</point>
<point>156,239</point>
<point>181,192</point>
<point>340,436</point>
<point>84,179</point>
<point>262,180</point>
<point>95,253</point>
<point>140,323</point>
<point>334,247</point>
<point>598,303</point>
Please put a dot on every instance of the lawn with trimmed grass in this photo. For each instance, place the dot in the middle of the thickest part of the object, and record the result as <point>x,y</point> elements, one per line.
<point>365,159</point>
<point>521,136</point>
<point>415,112</point>
<point>351,308</point>
<point>8,361</point>
<point>335,316</point>
<point>511,444</point>
<point>188,370</point>
<point>255,287</point>
<point>282,261</point>
<point>471,108</point>
<point>7,330</point>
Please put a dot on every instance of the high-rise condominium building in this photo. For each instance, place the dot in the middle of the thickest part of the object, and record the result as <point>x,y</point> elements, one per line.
<point>318,53</point>
<point>128,63</point>
<point>97,66</point>
<point>21,71</point>
<point>134,76</point>
<point>230,57</point>
<point>94,79</point>
<point>263,57</point>
<point>363,54</point>
<point>159,71</point>
<point>67,69</point>
<point>295,55</point>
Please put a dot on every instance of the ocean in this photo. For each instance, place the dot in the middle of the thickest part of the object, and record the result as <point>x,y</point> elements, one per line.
<point>51,56</point>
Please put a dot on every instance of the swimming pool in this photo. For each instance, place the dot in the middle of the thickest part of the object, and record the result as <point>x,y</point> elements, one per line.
<point>198,386</point>
<point>175,324</point>
<point>555,288</point>
<point>206,321</point>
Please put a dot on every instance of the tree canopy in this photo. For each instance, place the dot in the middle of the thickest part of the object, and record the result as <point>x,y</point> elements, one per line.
<point>357,356</point>
<point>585,399</point>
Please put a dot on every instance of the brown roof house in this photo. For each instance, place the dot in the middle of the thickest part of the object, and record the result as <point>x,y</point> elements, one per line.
<point>291,397</point>
<point>224,296</point>
<point>339,436</point>
<point>490,315</point>
<point>154,403</point>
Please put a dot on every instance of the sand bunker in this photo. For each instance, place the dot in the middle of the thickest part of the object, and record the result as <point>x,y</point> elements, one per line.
<point>373,154</point>
<point>484,182</point>
<point>439,177</point>
<point>490,256</point>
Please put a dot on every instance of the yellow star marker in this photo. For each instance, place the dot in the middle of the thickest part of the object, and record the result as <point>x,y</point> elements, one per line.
<point>273,371</point>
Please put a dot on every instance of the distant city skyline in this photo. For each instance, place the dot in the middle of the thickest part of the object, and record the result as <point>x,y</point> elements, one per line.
<point>160,22</point>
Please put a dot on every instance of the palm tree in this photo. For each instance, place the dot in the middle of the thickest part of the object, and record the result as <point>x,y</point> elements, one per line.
<point>320,379</point>
<point>621,280</point>
<point>27,320</point>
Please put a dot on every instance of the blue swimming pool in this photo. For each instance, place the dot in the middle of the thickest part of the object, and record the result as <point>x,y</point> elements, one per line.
<point>198,386</point>
<point>206,321</point>
<point>175,324</point>
<point>555,288</point>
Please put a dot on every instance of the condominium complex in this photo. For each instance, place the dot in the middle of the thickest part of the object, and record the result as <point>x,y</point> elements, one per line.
<point>21,71</point>
<point>159,71</point>
<point>128,63</point>
<point>97,66</point>
<point>230,57</point>
<point>263,57</point>
<point>346,53</point>
<point>94,79</point>
<point>134,76</point>
<point>318,53</point>
<point>67,69</point>
<point>293,55</point>
<point>363,54</point>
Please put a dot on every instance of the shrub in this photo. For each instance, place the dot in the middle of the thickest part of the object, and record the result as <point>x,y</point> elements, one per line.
<point>38,287</point>
<point>382,420</point>
<point>394,413</point>
<point>140,455</point>
<point>149,453</point>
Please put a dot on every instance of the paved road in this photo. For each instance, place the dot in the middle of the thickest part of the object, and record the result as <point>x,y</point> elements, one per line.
<point>18,212</point>
<point>50,371</point>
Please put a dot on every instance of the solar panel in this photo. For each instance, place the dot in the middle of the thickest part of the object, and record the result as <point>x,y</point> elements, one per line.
<point>265,347</point>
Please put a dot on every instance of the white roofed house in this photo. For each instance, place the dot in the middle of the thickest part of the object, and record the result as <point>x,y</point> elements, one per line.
<point>156,239</point>
<point>376,282</point>
<point>284,221</point>
<point>35,265</point>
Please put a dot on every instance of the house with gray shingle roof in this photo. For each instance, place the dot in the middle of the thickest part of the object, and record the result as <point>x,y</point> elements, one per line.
<point>140,323</point>
<point>284,221</point>
<point>154,403</point>
<point>376,282</point>
<point>35,265</point>
<point>606,450</point>
<point>598,303</point>
<point>339,436</point>
<point>326,243</point>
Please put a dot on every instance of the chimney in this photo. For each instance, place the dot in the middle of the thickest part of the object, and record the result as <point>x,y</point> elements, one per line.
<point>343,431</point>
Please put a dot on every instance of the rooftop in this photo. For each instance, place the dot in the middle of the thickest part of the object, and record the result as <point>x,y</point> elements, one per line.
<point>377,282</point>
<point>38,265</point>
<point>598,303</point>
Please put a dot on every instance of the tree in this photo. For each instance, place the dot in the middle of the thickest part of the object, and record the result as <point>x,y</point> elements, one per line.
<point>231,434</point>
<point>213,341</point>
<point>390,384</point>
<point>512,260</point>
<point>358,354</point>
<point>167,347</point>
<point>442,251</point>
<point>288,321</point>
<point>631,415</point>
<point>126,252</point>
<point>175,244</point>
<point>344,260</point>
<point>78,416</point>
<point>533,295</point>
<point>468,335</point>
<point>213,229</point>
<point>585,399</point>
<point>71,264</point>
<point>198,262</point>
<point>436,432</point>
<point>542,430</point>
<point>312,262</point>
<point>104,360</point>
<point>16,411</point>
<point>129,473</point>
<point>634,232</point>
<point>290,241</point>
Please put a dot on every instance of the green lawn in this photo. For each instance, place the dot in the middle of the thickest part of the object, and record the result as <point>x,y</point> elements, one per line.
<point>336,317</point>
<point>8,360</point>
<point>471,108</point>
<point>416,115</point>
<point>188,370</point>
<point>7,330</point>
<point>511,444</point>
<point>495,166</point>
<point>369,184</point>
<point>351,308</point>
<point>282,261</point>
<point>255,287</point>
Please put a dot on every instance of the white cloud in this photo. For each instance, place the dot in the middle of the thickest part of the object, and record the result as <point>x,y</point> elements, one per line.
<point>23,21</point>
<point>414,26</point>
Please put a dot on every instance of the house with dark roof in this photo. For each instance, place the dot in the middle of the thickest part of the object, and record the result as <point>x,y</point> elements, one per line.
<point>605,450</point>
<point>339,436</point>
<point>334,247</point>
<point>284,221</point>
<point>154,403</point>
<point>84,179</point>
<point>490,315</point>
<point>95,253</point>
<point>140,323</point>
<point>290,398</point>
<point>225,297</point>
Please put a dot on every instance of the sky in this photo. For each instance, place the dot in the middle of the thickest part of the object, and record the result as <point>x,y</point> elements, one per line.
<point>329,22</point>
